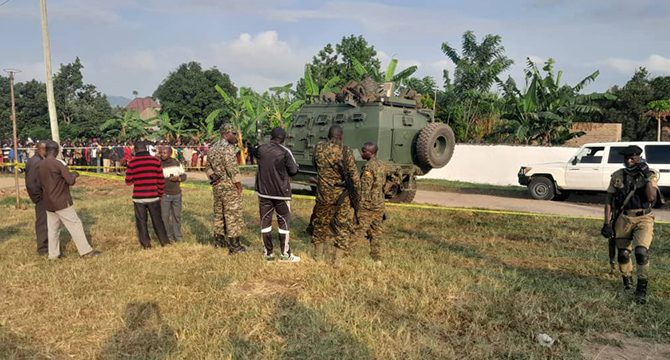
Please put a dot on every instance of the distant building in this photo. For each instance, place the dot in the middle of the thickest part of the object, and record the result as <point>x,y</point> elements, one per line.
<point>147,107</point>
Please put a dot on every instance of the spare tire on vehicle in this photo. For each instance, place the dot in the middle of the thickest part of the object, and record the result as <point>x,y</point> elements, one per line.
<point>435,146</point>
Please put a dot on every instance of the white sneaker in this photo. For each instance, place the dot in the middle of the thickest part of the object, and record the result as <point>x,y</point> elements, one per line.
<point>289,258</point>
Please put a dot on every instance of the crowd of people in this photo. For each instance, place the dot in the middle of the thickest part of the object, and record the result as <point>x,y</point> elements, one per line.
<point>112,155</point>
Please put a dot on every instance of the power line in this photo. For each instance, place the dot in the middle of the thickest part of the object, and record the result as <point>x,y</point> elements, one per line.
<point>4,2</point>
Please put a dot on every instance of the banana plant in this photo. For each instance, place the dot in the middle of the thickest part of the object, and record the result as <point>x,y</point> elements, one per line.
<point>390,75</point>
<point>125,126</point>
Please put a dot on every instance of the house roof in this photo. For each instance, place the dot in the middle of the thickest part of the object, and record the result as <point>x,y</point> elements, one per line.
<point>141,104</point>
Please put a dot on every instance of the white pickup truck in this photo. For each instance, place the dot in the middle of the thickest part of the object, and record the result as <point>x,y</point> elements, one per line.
<point>590,169</point>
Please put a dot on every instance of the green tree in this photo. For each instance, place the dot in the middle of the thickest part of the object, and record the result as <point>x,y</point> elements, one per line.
<point>187,93</point>
<point>338,61</point>
<point>280,106</point>
<point>478,67</point>
<point>81,107</point>
<point>543,113</point>
<point>169,129</point>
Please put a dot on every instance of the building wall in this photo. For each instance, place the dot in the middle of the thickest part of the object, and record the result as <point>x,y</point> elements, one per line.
<point>595,132</point>
<point>496,164</point>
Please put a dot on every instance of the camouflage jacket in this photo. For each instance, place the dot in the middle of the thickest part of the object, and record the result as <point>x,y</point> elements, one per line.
<point>330,166</point>
<point>222,162</point>
<point>373,178</point>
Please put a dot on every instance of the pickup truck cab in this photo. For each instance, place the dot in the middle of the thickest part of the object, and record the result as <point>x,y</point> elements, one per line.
<point>590,169</point>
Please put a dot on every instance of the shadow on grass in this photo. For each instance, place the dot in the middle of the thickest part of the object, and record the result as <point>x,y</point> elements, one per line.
<point>197,227</point>
<point>306,334</point>
<point>145,335</point>
<point>13,346</point>
<point>8,231</point>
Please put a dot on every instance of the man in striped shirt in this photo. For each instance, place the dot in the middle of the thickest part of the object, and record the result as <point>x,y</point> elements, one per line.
<point>146,175</point>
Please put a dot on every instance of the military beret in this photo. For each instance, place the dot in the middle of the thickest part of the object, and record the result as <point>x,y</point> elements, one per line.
<point>227,127</point>
<point>631,150</point>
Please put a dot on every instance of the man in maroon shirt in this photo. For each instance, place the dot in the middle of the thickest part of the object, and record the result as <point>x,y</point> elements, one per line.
<point>55,181</point>
<point>144,172</point>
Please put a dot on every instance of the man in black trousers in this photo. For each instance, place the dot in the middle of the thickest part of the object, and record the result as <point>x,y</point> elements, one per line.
<point>35,192</point>
<point>146,175</point>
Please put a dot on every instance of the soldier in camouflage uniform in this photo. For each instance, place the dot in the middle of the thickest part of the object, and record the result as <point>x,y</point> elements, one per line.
<point>224,175</point>
<point>631,193</point>
<point>333,216</point>
<point>371,215</point>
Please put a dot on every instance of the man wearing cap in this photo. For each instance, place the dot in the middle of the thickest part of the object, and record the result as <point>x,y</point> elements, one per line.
<point>630,195</point>
<point>224,176</point>
<point>276,165</point>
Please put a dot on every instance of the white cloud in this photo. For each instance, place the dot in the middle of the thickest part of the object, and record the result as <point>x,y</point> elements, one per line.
<point>654,63</point>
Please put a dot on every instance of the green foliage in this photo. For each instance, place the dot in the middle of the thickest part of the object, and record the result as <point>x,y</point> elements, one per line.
<point>80,107</point>
<point>631,104</point>
<point>659,105</point>
<point>467,102</point>
<point>339,61</point>
<point>171,130</point>
<point>543,113</point>
<point>187,93</point>
<point>125,126</point>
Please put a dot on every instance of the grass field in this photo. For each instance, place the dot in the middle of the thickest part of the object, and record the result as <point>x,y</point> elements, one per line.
<point>453,285</point>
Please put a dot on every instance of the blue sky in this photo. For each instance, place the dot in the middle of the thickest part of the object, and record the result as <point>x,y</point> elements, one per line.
<point>128,45</point>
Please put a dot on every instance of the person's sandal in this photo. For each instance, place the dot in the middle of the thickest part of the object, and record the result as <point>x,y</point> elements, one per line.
<point>93,253</point>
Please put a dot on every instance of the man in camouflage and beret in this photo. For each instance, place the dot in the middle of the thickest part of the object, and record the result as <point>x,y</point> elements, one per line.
<point>224,176</point>
<point>630,196</point>
<point>338,183</point>
<point>371,215</point>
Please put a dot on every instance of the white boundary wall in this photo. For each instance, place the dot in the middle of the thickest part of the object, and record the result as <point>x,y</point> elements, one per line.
<point>496,164</point>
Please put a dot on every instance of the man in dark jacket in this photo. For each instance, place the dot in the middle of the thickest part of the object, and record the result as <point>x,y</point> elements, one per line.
<point>146,175</point>
<point>55,181</point>
<point>275,165</point>
<point>35,192</point>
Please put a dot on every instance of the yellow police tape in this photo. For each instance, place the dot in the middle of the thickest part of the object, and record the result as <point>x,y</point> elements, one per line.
<point>399,205</point>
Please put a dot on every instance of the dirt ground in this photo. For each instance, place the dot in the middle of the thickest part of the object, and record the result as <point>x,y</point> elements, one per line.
<point>622,347</point>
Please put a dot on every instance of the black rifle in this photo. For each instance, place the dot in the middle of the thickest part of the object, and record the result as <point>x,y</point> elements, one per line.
<point>611,244</point>
<point>349,192</point>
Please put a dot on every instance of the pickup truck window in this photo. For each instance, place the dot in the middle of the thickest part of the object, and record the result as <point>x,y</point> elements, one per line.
<point>591,155</point>
<point>657,154</point>
<point>614,156</point>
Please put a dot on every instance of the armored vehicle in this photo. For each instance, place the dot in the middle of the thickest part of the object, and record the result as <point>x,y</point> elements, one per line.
<point>411,142</point>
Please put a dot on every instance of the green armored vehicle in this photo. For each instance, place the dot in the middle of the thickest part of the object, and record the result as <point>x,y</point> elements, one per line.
<point>411,142</point>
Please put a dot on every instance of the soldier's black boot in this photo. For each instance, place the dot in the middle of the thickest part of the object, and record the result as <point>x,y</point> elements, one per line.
<point>641,291</point>
<point>236,246</point>
<point>220,241</point>
<point>628,283</point>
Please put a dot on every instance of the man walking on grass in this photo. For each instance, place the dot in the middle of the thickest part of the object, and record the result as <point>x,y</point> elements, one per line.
<point>35,192</point>
<point>275,167</point>
<point>144,172</point>
<point>55,181</point>
<point>174,174</point>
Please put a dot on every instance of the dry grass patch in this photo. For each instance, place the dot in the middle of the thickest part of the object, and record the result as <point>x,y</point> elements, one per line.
<point>453,285</point>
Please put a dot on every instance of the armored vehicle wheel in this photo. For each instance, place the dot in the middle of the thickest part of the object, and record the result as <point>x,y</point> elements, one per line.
<point>541,188</point>
<point>405,196</point>
<point>435,145</point>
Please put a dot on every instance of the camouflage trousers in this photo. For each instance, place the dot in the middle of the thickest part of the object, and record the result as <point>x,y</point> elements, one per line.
<point>227,211</point>
<point>333,225</point>
<point>371,228</point>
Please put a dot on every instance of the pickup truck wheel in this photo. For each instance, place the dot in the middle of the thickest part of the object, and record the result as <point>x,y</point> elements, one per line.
<point>541,188</point>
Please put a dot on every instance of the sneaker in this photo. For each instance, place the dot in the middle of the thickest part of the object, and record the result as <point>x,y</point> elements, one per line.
<point>270,257</point>
<point>289,258</point>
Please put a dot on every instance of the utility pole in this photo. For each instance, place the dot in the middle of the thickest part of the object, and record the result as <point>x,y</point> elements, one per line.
<point>15,160</point>
<point>51,101</point>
